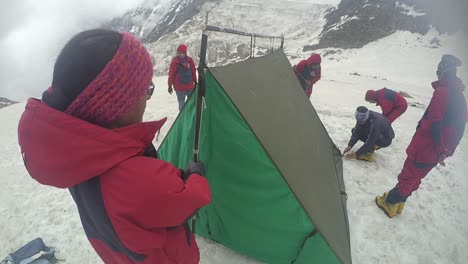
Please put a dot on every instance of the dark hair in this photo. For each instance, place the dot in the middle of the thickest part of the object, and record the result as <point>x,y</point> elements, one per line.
<point>79,63</point>
<point>362,109</point>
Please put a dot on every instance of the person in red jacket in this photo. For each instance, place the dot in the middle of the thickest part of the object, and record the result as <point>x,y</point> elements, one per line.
<point>437,136</point>
<point>182,75</point>
<point>392,103</point>
<point>87,135</point>
<point>309,72</point>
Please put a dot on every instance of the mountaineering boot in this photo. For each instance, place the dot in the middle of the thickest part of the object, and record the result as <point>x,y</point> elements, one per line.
<point>389,209</point>
<point>401,206</point>
<point>367,157</point>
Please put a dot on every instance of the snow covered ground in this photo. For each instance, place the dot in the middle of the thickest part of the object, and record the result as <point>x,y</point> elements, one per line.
<point>432,229</point>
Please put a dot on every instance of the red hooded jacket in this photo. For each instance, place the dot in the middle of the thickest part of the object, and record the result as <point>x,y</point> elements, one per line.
<point>131,205</point>
<point>443,124</point>
<point>392,103</point>
<point>182,74</point>
<point>306,75</point>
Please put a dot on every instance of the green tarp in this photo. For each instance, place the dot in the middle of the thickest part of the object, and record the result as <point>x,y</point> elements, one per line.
<point>275,175</point>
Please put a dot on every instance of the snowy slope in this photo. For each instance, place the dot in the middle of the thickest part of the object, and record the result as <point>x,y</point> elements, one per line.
<point>432,230</point>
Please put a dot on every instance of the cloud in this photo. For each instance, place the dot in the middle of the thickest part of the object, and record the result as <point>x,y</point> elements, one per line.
<point>33,32</point>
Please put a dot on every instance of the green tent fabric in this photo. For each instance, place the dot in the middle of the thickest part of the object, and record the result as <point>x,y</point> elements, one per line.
<point>276,176</point>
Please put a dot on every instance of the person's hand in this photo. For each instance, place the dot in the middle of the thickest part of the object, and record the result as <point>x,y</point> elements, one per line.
<point>348,148</point>
<point>442,158</point>
<point>169,89</point>
<point>351,155</point>
<point>197,167</point>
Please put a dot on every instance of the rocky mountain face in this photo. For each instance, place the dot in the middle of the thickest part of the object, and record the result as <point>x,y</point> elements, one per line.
<point>177,15</point>
<point>299,22</point>
<point>355,23</point>
<point>163,25</point>
<point>4,102</point>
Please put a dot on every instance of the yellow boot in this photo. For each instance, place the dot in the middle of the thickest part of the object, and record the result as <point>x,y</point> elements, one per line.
<point>401,206</point>
<point>367,157</point>
<point>389,209</point>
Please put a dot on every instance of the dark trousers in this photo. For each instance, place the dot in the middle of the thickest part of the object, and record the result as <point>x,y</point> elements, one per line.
<point>382,141</point>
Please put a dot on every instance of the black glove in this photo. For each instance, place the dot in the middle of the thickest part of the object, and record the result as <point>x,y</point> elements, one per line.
<point>169,89</point>
<point>194,167</point>
<point>197,167</point>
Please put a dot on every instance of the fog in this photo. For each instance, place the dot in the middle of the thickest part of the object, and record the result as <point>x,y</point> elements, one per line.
<point>33,32</point>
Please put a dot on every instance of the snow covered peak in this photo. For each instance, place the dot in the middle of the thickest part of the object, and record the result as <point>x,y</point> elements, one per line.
<point>299,21</point>
<point>142,20</point>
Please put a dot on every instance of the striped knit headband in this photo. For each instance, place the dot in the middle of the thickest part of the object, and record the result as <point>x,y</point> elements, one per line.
<point>123,82</point>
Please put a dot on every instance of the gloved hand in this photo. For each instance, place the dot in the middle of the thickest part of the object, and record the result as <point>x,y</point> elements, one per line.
<point>194,167</point>
<point>197,167</point>
<point>169,89</point>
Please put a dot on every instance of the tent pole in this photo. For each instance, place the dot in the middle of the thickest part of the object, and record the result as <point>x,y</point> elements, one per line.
<point>200,95</point>
<point>251,46</point>
<point>255,42</point>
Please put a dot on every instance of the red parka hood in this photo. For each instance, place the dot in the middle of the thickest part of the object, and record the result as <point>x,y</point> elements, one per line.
<point>314,59</point>
<point>61,150</point>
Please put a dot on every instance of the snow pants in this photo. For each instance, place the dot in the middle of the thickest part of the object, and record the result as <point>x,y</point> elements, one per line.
<point>409,180</point>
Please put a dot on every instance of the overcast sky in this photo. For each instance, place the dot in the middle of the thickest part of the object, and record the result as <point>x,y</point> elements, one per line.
<point>34,31</point>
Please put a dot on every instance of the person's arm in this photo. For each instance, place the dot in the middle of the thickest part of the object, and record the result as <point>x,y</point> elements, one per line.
<point>194,70</point>
<point>318,75</point>
<point>172,73</point>
<point>435,115</point>
<point>299,68</point>
<point>386,106</point>
<point>154,195</point>
<point>354,138</point>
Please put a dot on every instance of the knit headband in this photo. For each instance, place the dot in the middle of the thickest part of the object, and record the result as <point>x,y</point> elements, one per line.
<point>362,116</point>
<point>123,82</point>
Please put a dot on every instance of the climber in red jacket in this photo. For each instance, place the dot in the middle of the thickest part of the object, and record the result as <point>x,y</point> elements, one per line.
<point>437,136</point>
<point>392,103</point>
<point>309,72</point>
<point>87,135</point>
<point>182,75</point>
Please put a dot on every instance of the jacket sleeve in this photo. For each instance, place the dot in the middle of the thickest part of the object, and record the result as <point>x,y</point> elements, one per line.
<point>172,72</point>
<point>298,69</point>
<point>354,136</point>
<point>152,194</point>
<point>435,115</point>
<point>318,75</point>
<point>194,70</point>
<point>386,107</point>
<point>370,143</point>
